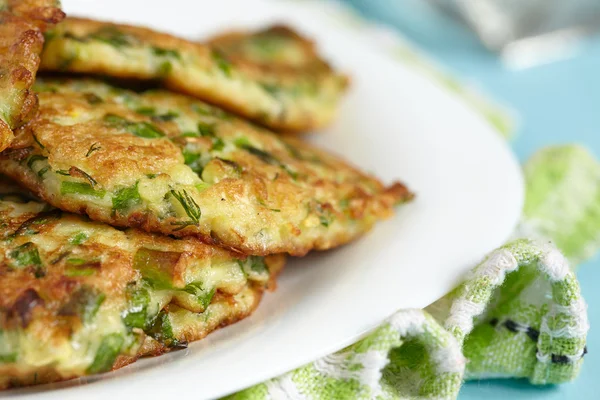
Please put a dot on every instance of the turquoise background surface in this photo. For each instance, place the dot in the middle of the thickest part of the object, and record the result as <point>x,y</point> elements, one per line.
<point>555,103</point>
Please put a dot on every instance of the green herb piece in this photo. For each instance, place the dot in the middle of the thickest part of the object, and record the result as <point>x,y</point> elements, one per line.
<point>206,110</point>
<point>157,267</point>
<point>81,188</point>
<point>34,158</point>
<point>8,358</point>
<point>126,198</point>
<point>206,129</point>
<point>168,116</point>
<point>165,68</point>
<point>107,353</point>
<point>27,255</point>
<point>273,89</point>
<point>94,147</point>
<point>218,144</point>
<point>253,265</point>
<point>162,331</point>
<point>293,151</point>
<point>79,238</point>
<point>145,130</point>
<point>325,215</point>
<point>136,315</point>
<point>76,261</point>
<point>66,61</point>
<point>257,264</point>
<point>75,272</point>
<point>38,142</point>
<point>113,36</point>
<point>222,63</point>
<point>43,171</point>
<point>151,112</point>
<point>140,129</point>
<point>84,304</point>
<point>202,186</point>
<point>191,208</point>
<point>161,52</point>
<point>147,111</point>
<point>204,297</point>
<point>242,142</point>
<point>193,160</point>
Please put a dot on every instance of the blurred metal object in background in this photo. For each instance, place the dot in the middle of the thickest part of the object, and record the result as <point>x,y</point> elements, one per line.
<point>528,32</point>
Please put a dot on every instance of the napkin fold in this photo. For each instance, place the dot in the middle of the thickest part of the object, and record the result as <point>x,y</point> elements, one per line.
<point>517,314</point>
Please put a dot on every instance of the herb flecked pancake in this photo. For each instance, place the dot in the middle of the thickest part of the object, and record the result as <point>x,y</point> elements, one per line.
<point>21,25</point>
<point>274,77</point>
<point>170,164</point>
<point>79,297</point>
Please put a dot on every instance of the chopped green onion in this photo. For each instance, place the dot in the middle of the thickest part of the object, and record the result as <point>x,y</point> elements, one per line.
<point>140,129</point>
<point>162,331</point>
<point>204,297</point>
<point>126,198</point>
<point>107,353</point>
<point>81,188</point>
<point>222,63</point>
<point>136,315</point>
<point>27,255</point>
<point>78,238</point>
<point>161,52</point>
<point>157,267</point>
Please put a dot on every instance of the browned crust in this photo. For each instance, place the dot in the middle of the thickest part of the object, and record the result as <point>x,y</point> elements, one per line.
<point>21,26</point>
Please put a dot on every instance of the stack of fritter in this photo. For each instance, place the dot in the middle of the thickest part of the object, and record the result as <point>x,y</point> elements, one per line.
<point>139,220</point>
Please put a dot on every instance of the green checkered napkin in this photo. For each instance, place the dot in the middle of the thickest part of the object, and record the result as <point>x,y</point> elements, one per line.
<point>518,314</point>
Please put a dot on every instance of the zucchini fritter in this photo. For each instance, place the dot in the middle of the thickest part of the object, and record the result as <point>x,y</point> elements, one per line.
<point>167,163</point>
<point>276,78</point>
<point>79,297</point>
<point>21,25</point>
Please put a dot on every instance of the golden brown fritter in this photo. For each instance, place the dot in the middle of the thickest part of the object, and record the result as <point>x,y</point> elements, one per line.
<point>79,297</point>
<point>274,77</point>
<point>22,23</point>
<point>275,48</point>
<point>168,163</point>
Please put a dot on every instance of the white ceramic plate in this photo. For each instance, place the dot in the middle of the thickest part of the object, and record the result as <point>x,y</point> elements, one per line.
<point>394,122</point>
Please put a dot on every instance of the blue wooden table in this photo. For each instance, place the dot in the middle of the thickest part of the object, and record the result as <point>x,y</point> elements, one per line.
<point>556,103</point>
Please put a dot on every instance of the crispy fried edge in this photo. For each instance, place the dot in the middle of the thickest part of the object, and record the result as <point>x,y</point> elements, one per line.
<point>28,20</point>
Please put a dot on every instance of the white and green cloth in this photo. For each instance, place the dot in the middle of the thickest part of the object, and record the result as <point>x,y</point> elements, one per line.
<point>518,314</point>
